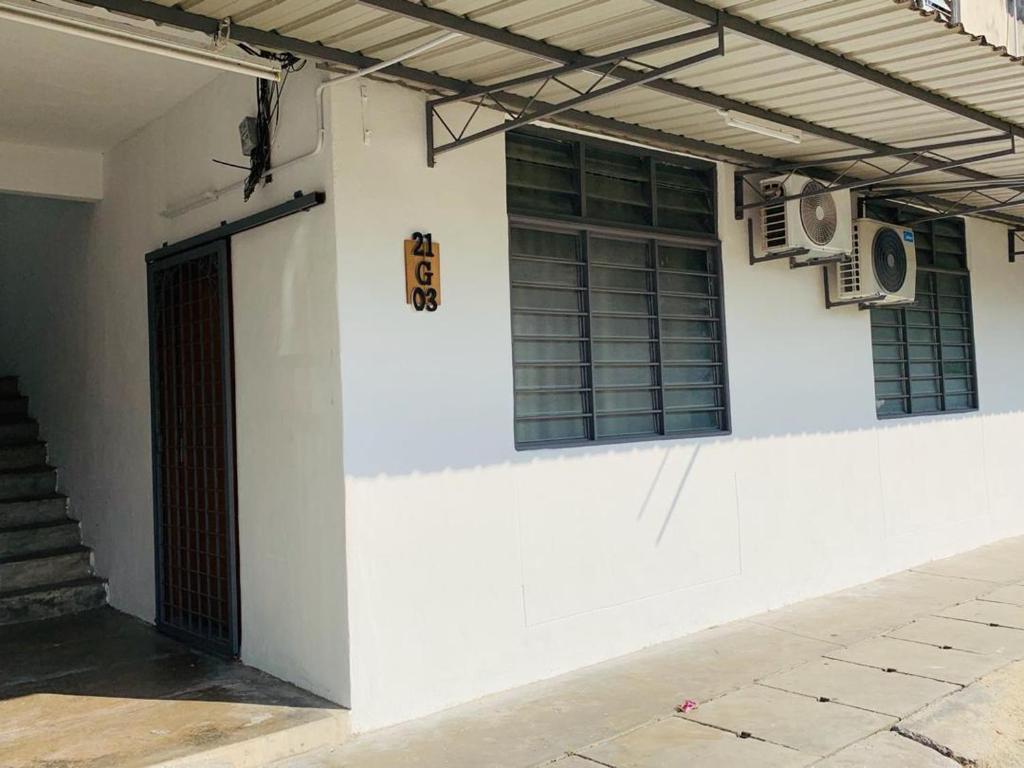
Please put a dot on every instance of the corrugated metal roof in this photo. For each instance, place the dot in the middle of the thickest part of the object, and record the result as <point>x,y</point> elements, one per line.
<point>890,36</point>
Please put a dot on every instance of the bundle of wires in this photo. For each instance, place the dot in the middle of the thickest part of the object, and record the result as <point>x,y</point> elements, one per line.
<point>268,115</point>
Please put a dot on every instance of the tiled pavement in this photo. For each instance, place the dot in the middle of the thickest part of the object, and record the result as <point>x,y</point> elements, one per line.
<point>921,669</point>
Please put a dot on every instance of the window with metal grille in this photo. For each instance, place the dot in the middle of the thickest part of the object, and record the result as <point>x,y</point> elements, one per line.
<point>924,353</point>
<point>617,329</point>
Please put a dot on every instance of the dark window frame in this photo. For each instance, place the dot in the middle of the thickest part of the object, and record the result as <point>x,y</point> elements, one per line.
<point>582,143</point>
<point>653,236</point>
<point>905,215</point>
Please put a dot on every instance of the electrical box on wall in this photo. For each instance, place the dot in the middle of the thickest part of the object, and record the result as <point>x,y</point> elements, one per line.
<point>248,134</point>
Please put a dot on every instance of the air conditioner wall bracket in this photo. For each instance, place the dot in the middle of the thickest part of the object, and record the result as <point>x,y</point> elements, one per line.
<point>818,261</point>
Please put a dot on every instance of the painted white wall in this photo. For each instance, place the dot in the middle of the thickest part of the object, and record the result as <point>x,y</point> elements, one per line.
<point>70,174</point>
<point>994,20</point>
<point>474,567</point>
<point>73,325</point>
<point>61,90</point>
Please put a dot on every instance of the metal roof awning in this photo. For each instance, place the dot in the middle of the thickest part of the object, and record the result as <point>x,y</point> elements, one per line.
<point>924,110</point>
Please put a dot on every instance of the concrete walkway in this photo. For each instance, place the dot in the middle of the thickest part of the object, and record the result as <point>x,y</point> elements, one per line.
<point>104,690</point>
<point>917,670</point>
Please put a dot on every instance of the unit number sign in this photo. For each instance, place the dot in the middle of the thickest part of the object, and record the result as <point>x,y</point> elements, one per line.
<point>423,272</point>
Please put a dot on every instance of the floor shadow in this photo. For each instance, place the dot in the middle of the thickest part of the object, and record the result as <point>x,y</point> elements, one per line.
<point>106,653</point>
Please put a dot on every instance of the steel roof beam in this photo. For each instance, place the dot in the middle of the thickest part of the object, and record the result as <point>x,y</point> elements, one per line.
<point>275,41</point>
<point>861,183</point>
<point>272,40</point>
<point>764,34</point>
<point>1014,202</point>
<point>919,151</point>
<point>572,118</point>
<point>533,112</point>
<point>907,191</point>
<point>544,50</point>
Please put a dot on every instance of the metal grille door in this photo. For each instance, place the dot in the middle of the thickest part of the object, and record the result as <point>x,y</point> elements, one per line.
<point>193,447</point>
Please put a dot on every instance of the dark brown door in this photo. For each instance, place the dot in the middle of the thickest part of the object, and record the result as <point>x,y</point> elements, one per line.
<point>194,447</point>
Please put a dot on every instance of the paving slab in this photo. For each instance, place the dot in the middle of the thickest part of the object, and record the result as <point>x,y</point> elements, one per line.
<point>791,720</point>
<point>964,636</point>
<point>922,592</point>
<point>860,686</point>
<point>1012,594</point>
<point>985,612</point>
<point>840,619</point>
<point>676,741</point>
<point>538,724</point>
<point>950,666</point>
<point>870,609</point>
<point>542,721</point>
<point>981,725</point>
<point>999,563</point>
<point>725,658</point>
<point>885,750</point>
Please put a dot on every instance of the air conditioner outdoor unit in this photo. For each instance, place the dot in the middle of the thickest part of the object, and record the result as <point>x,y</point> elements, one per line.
<point>882,269</point>
<point>814,228</point>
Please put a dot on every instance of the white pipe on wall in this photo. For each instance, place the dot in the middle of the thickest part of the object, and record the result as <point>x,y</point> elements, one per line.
<point>213,194</point>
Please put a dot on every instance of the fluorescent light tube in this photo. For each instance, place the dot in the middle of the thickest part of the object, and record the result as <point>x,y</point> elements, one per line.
<point>736,120</point>
<point>128,36</point>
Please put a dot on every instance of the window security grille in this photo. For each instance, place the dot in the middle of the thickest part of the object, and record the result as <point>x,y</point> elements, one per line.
<point>924,353</point>
<point>616,320</point>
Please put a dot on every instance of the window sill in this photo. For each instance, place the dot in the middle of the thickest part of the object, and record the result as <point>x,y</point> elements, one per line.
<point>899,416</point>
<point>609,442</point>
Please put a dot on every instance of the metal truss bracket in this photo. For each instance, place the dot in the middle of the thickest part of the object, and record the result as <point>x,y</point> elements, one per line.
<point>1015,241</point>
<point>956,208</point>
<point>608,76</point>
<point>843,180</point>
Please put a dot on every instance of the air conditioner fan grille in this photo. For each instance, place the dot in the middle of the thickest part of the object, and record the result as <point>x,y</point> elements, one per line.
<point>890,259</point>
<point>818,213</point>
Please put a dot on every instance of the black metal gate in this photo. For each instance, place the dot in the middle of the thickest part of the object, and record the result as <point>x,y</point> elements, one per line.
<point>192,392</point>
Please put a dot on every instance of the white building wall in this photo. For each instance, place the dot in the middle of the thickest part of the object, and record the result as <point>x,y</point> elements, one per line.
<point>995,20</point>
<point>474,567</point>
<point>68,174</point>
<point>73,325</point>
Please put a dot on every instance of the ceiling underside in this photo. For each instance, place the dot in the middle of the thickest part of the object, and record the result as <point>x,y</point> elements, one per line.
<point>837,110</point>
<point>62,91</point>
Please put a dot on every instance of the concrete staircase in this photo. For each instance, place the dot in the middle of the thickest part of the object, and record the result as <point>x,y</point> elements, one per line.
<point>45,571</point>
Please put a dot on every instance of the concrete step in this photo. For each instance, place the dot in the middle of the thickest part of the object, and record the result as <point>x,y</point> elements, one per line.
<point>22,456</point>
<point>52,600</point>
<point>14,408</point>
<point>39,537</point>
<point>19,432</point>
<point>41,568</point>
<point>28,511</point>
<point>8,386</point>
<point>28,483</point>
